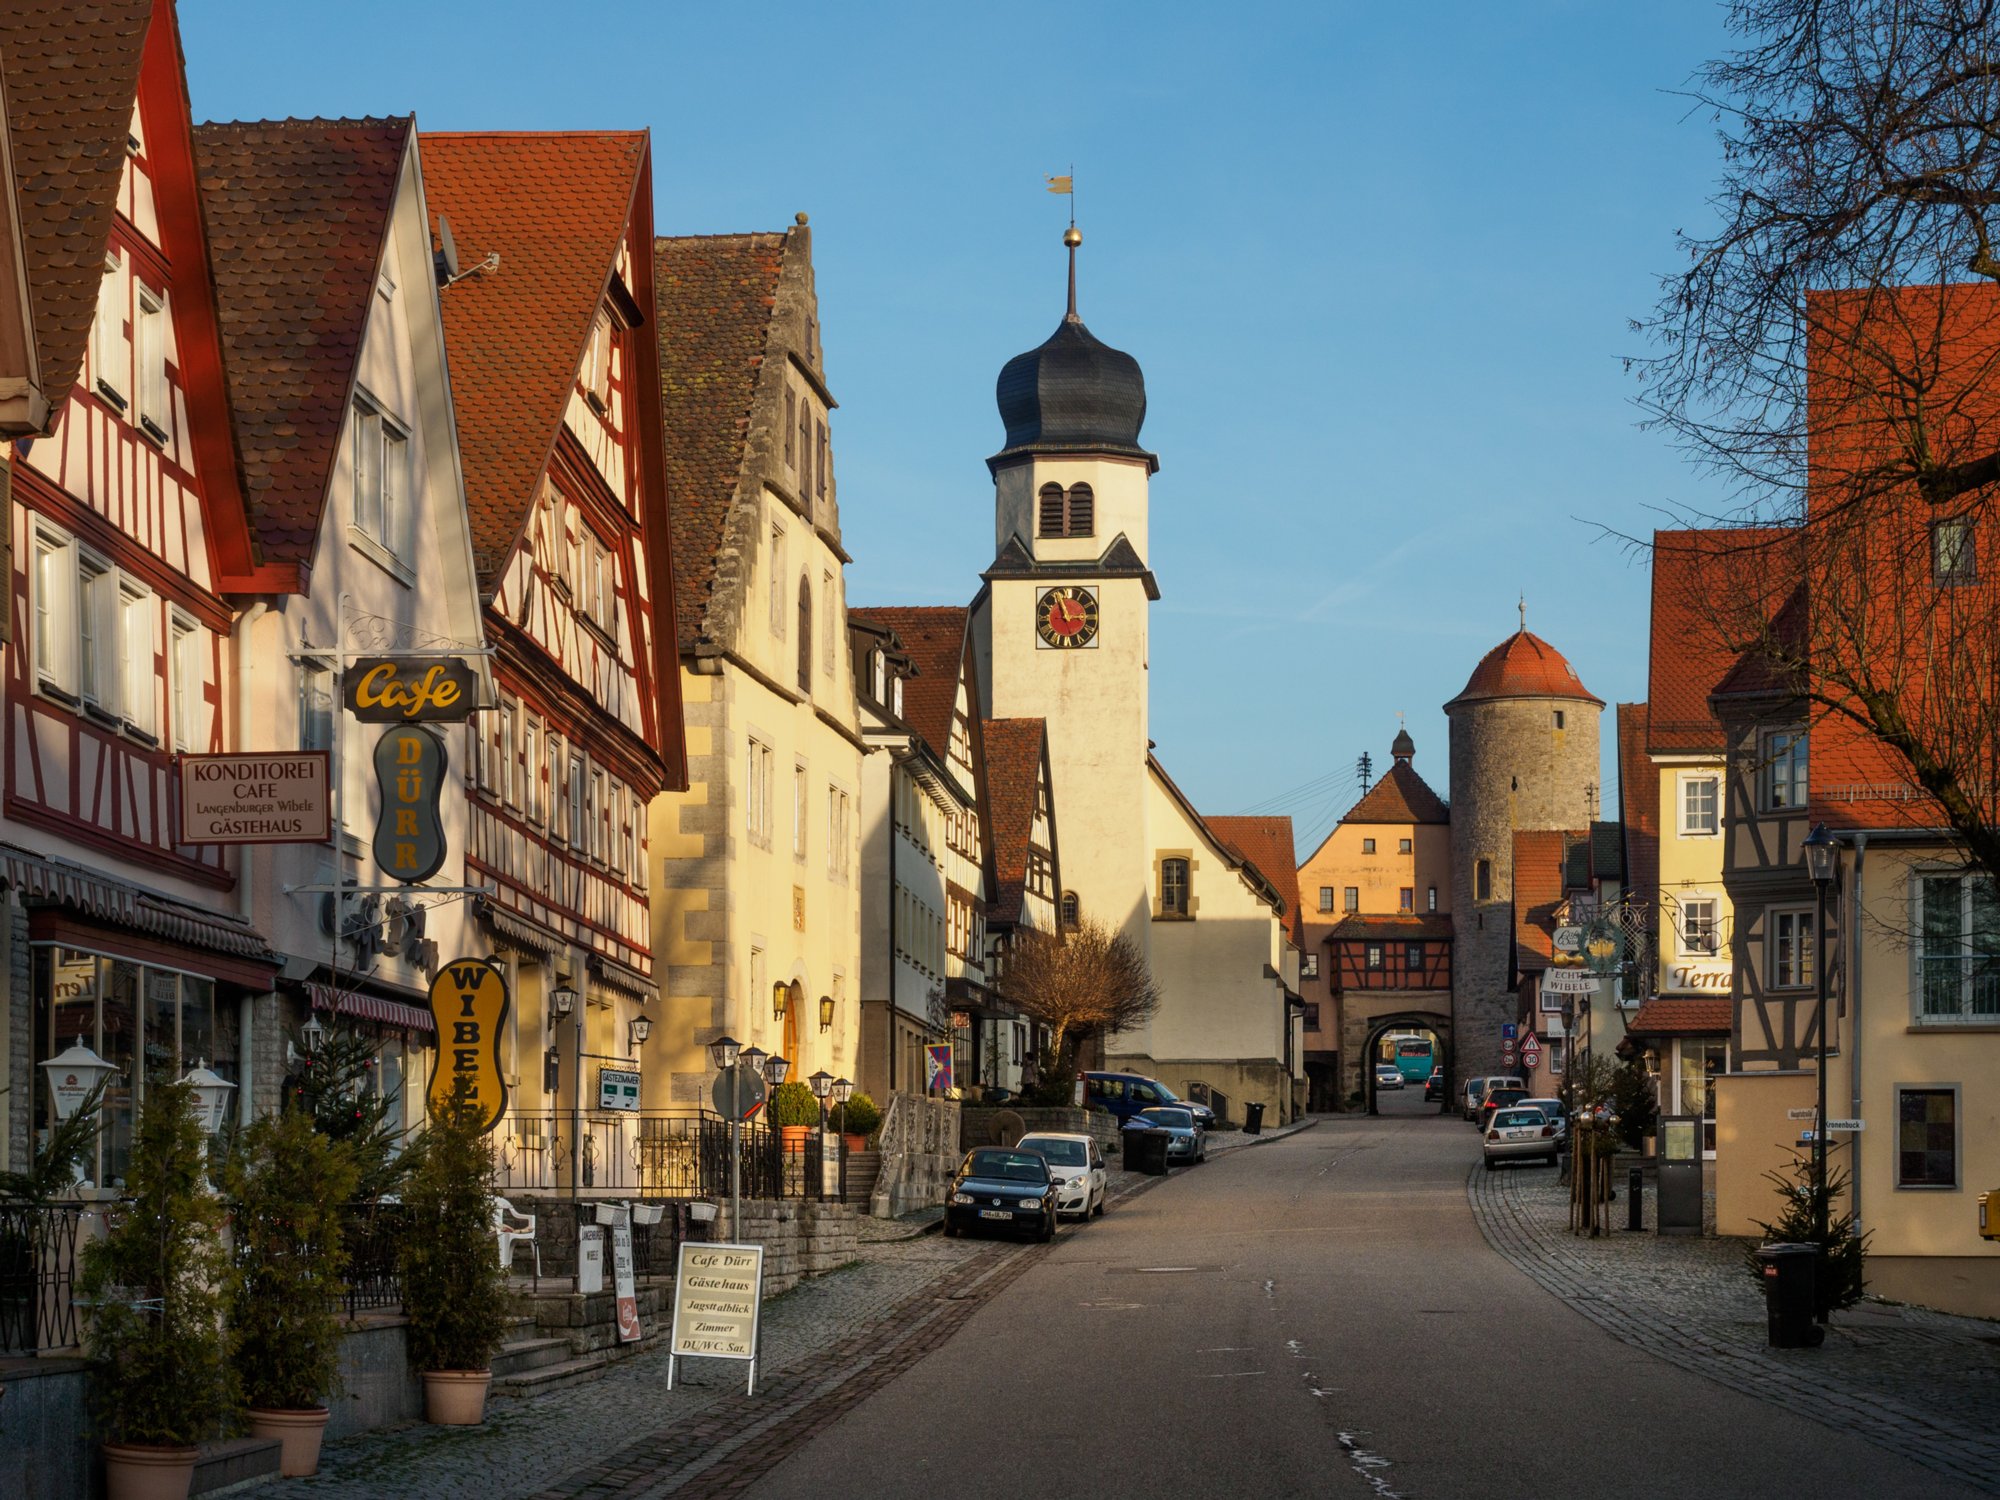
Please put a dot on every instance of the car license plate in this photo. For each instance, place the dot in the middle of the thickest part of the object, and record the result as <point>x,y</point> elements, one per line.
<point>994,1213</point>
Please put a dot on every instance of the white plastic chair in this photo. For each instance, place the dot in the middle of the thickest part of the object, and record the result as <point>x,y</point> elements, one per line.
<point>507,1228</point>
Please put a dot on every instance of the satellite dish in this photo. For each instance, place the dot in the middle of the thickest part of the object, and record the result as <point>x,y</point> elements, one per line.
<point>447,249</point>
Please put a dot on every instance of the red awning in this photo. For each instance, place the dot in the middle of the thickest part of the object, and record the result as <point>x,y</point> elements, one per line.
<point>377,1008</point>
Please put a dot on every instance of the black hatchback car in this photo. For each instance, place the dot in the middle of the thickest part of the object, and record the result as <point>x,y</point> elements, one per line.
<point>1001,1189</point>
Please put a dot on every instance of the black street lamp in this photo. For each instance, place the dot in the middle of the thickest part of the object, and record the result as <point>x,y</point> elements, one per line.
<point>1820,851</point>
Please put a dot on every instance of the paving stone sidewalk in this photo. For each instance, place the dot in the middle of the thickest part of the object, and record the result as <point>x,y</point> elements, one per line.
<point>1923,1384</point>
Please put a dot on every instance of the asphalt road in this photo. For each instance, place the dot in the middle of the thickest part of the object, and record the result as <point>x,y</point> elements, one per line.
<point>1314,1316</point>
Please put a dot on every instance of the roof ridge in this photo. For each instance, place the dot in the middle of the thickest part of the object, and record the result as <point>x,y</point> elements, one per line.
<point>347,120</point>
<point>619,134</point>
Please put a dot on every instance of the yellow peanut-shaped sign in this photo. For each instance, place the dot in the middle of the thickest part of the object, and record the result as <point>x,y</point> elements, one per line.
<point>469,1002</point>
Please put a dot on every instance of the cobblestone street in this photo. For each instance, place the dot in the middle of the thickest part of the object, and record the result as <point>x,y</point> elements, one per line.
<point>1923,1384</point>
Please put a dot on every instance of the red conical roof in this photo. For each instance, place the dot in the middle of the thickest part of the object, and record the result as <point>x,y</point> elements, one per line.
<point>1524,666</point>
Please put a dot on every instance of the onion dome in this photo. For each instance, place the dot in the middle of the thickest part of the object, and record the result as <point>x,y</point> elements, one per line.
<point>1524,666</point>
<point>1074,394</point>
<point>1402,747</point>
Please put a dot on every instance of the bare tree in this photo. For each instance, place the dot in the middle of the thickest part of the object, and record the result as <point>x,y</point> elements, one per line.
<point>1088,982</point>
<point>1830,350</point>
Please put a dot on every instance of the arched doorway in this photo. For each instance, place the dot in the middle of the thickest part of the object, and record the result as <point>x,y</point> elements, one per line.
<point>1395,1041</point>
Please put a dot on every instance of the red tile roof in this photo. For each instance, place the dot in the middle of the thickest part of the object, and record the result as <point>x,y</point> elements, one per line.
<point>1401,796</point>
<point>1524,666</point>
<point>1360,927</point>
<point>1712,591</point>
<point>716,294</point>
<point>1014,753</point>
<point>1638,801</point>
<point>554,207</point>
<point>934,639</point>
<point>1678,1015</point>
<point>71,69</point>
<point>1539,857</point>
<point>298,214</point>
<point>1267,844</point>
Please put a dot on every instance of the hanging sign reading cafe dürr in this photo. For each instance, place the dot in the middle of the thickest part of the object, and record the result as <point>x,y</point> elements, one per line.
<point>411,690</point>
<point>410,766</point>
<point>279,798</point>
<point>469,1004</point>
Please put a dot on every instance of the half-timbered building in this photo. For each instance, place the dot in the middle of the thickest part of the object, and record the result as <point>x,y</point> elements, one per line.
<point>342,410</point>
<point>759,914</point>
<point>1018,785</point>
<point>544,243</point>
<point>129,533</point>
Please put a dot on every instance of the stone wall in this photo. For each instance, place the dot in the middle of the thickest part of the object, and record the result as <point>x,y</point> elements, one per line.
<point>800,1239</point>
<point>377,1386</point>
<point>46,1451</point>
<point>979,1124</point>
<point>919,1141</point>
<point>1511,770</point>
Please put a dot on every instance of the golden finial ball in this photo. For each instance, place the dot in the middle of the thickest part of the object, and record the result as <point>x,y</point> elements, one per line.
<point>1072,237</point>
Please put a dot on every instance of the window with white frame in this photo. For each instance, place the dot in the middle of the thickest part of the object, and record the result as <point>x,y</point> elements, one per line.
<point>1958,955</point>
<point>757,792</point>
<point>55,611</point>
<point>597,811</point>
<point>1789,956</point>
<point>150,350</point>
<point>1701,810</point>
<point>597,363</point>
<point>139,643</point>
<point>630,862</point>
<point>1699,930</point>
<point>185,679</point>
<point>97,654</point>
<point>562,819</point>
<point>799,811</point>
<point>533,801</point>
<point>839,812</point>
<point>109,366</point>
<point>1784,769</point>
<point>381,477</point>
<point>503,778</point>
<point>579,825</point>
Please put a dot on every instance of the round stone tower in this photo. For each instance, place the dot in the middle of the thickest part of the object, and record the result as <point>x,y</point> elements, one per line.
<point>1523,758</point>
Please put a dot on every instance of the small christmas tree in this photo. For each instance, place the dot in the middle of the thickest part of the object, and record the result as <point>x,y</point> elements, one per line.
<point>335,1083</point>
<point>1839,1273</point>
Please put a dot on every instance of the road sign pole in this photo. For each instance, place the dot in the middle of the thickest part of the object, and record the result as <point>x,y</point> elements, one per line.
<point>736,1180</point>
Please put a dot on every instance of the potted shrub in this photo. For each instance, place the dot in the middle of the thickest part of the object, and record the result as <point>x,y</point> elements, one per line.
<point>454,1290</point>
<point>795,1112</point>
<point>155,1284</point>
<point>859,1119</point>
<point>289,1183</point>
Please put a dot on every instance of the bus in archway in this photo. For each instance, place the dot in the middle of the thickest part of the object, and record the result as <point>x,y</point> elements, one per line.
<point>1415,1057</point>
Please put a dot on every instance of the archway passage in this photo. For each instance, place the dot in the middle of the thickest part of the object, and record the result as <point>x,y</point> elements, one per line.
<point>1412,1043</point>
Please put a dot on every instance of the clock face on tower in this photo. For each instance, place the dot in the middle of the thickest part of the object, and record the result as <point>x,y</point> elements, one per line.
<point>1066,617</point>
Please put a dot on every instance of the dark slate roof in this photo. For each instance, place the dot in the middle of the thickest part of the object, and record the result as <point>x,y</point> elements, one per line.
<point>72,72</point>
<point>1073,394</point>
<point>933,638</point>
<point>1607,851</point>
<point>1013,769</point>
<point>554,206</point>
<point>1268,846</point>
<point>1402,745</point>
<point>1401,796</point>
<point>297,214</point>
<point>1119,560</point>
<point>716,294</point>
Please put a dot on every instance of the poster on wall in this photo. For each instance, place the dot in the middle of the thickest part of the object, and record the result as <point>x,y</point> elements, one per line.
<point>469,1004</point>
<point>622,1280</point>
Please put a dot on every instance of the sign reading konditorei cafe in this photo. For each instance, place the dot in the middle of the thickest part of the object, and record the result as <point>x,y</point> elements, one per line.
<point>280,798</point>
<point>718,1302</point>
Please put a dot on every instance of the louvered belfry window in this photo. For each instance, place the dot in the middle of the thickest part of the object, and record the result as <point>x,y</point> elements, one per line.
<point>1067,514</point>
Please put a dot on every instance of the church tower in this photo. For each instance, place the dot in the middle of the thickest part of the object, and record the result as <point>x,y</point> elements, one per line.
<point>1060,627</point>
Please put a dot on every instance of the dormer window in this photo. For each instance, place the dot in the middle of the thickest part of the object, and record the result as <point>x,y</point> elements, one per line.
<point>1064,513</point>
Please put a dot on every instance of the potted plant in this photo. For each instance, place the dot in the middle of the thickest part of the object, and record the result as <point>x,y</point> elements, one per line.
<point>795,1112</point>
<point>289,1183</point>
<point>155,1284</point>
<point>454,1290</point>
<point>859,1119</point>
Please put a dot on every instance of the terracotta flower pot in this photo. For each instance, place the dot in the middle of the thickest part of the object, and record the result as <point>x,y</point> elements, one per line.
<point>299,1431</point>
<point>795,1136</point>
<point>456,1398</point>
<point>139,1471</point>
<point>854,1142</point>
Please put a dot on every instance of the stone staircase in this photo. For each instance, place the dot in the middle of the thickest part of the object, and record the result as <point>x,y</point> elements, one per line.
<point>237,1464</point>
<point>863,1167</point>
<point>559,1339</point>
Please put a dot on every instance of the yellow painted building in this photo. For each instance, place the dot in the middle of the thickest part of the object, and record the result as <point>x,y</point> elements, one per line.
<point>756,915</point>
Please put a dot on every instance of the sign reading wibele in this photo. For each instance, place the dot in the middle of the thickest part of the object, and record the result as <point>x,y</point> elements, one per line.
<point>469,1003</point>
<point>411,690</point>
<point>279,798</point>
<point>410,764</point>
<point>718,1297</point>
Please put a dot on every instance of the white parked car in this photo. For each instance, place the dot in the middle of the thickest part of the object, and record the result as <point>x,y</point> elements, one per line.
<point>1077,1164</point>
<point>1387,1077</point>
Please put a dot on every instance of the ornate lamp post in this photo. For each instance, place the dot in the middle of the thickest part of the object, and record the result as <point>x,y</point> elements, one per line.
<point>841,1092</point>
<point>1820,851</point>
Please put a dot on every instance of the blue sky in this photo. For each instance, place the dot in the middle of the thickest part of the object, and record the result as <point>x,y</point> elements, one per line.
<point>1377,262</point>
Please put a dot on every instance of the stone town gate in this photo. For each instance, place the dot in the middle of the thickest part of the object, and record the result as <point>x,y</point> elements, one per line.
<point>1367,1014</point>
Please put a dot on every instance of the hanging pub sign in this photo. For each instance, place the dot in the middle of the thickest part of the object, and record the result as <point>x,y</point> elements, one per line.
<point>469,1003</point>
<point>410,765</point>
<point>411,690</point>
